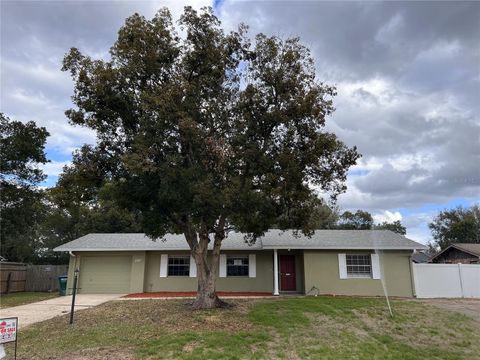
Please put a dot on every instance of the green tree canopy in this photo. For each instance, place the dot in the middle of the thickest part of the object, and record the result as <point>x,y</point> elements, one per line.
<point>395,226</point>
<point>363,220</point>
<point>325,216</point>
<point>209,132</point>
<point>459,225</point>
<point>21,151</point>
<point>359,220</point>
<point>76,206</point>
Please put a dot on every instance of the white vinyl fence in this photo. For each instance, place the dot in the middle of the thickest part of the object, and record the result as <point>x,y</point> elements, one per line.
<point>447,280</point>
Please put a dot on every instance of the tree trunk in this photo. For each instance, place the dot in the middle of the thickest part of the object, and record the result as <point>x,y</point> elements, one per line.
<point>206,294</point>
<point>207,268</point>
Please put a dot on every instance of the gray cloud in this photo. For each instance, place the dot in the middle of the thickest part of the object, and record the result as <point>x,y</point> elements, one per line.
<point>407,73</point>
<point>408,77</point>
<point>361,39</point>
<point>35,35</point>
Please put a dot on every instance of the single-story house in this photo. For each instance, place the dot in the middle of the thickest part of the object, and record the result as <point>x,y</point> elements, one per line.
<point>461,253</point>
<point>341,262</point>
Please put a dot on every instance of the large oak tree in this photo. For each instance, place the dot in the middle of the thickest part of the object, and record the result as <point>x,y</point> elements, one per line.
<point>205,132</point>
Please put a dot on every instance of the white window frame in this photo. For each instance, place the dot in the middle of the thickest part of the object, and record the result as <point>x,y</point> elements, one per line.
<point>170,257</point>
<point>234,256</point>
<point>358,275</point>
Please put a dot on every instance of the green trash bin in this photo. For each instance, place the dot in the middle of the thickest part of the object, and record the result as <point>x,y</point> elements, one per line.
<point>62,285</point>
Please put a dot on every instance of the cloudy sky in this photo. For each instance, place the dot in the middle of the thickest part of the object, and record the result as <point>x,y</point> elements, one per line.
<point>407,73</point>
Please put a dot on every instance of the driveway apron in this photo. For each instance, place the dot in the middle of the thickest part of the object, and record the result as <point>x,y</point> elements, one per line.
<point>39,311</point>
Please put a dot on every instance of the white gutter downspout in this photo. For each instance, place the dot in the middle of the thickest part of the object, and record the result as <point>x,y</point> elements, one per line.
<point>275,272</point>
<point>74,266</point>
<point>413,274</point>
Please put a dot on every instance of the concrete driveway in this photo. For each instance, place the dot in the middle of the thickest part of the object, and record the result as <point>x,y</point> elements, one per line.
<point>35,312</point>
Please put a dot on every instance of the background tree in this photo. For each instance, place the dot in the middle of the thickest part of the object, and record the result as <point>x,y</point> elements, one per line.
<point>363,220</point>
<point>207,133</point>
<point>459,225</point>
<point>395,226</point>
<point>77,207</point>
<point>360,220</point>
<point>325,216</point>
<point>21,152</point>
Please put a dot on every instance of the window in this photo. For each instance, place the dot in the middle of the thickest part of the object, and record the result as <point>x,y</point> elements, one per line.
<point>178,265</point>
<point>237,265</point>
<point>359,266</point>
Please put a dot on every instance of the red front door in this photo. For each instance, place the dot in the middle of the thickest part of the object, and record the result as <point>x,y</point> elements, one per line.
<point>288,281</point>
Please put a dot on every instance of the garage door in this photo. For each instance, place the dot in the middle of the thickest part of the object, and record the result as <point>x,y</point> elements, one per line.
<point>105,274</point>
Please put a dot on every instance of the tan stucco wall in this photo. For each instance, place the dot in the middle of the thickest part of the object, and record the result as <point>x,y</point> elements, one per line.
<point>137,276</point>
<point>263,282</point>
<point>321,271</point>
<point>314,268</point>
<point>71,269</point>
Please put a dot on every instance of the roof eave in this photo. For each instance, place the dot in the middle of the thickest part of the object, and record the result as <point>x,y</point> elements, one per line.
<point>271,247</point>
<point>256,249</point>
<point>117,249</point>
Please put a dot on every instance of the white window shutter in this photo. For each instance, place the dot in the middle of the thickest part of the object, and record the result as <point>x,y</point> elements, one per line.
<point>193,267</point>
<point>252,265</point>
<point>342,266</point>
<point>223,266</point>
<point>375,266</point>
<point>163,265</point>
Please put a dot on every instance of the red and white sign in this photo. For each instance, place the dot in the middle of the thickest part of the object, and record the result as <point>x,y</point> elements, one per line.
<point>8,330</point>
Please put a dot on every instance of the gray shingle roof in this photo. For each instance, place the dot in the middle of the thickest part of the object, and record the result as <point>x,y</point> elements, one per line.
<point>321,239</point>
<point>472,248</point>
<point>133,242</point>
<point>339,239</point>
<point>420,257</point>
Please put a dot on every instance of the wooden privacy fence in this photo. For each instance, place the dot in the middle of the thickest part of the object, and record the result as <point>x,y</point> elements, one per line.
<point>44,277</point>
<point>17,277</point>
<point>13,277</point>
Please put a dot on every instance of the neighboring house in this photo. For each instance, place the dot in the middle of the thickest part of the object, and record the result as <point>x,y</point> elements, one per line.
<point>461,253</point>
<point>343,262</point>
<point>419,257</point>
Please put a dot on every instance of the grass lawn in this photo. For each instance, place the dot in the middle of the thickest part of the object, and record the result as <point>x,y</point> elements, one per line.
<point>22,298</point>
<point>285,328</point>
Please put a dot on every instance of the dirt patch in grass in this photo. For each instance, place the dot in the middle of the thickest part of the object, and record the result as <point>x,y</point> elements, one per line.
<point>417,326</point>
<point>123,324</point>
<point>468,307</point>
<point>169,316</point>
<point>189,347</point>
<point>99,354</point>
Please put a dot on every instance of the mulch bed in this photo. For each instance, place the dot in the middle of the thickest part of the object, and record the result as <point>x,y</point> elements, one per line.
<point>167,294</point>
